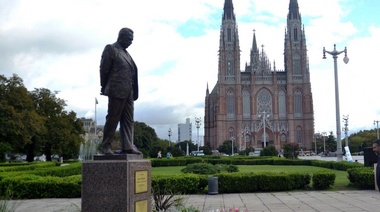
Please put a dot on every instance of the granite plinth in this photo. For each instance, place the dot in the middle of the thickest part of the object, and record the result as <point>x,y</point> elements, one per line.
<point>112,185</point>
<point>119,157</point>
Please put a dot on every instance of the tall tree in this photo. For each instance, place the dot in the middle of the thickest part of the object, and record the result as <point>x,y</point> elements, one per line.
<point>144,137</point>
<point>331,143</point>
<point>19,121</point>
<point>226,147</point>
<point>63,128</point>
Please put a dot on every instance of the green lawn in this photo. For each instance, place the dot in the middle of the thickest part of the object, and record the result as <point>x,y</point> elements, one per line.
<point>341,180</point>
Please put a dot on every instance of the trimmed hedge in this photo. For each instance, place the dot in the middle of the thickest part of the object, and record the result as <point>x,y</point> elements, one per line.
<point>254,182</point>
<point>231,182</point>
<point>25,166</point>
<point>323,179</point>
<point>342,165</point>
<point>47,180</point>
<point>41,180</point>
<point>180,184</point>
<point>362,177</point>
<point>32,186</point>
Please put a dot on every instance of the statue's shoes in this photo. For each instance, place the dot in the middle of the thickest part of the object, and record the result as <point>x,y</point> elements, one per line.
<point>107,150</point>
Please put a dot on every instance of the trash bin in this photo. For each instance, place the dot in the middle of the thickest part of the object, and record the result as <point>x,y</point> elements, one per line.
<point>213,185</point>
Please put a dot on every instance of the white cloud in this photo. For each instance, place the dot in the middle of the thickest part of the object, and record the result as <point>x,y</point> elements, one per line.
<point>57,45</point>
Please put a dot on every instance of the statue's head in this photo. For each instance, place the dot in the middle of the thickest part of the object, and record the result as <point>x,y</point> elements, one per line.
<point>125,37</point>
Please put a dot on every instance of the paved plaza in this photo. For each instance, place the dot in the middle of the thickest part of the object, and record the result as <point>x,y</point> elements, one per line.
<point>324,201</point>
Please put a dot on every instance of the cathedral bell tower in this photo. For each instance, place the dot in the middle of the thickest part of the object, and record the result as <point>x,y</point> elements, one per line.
<point>300,110</point>
<point>229,49</point>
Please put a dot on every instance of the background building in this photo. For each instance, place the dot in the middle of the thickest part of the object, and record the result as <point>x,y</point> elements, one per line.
<point>89,129</point>
<point>260,102</point>
<point>184,131</point>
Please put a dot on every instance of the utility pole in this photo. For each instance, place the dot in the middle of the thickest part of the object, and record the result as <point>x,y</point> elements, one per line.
<point>170,134</point>
<point>377,127</point>
<point>197,125</point>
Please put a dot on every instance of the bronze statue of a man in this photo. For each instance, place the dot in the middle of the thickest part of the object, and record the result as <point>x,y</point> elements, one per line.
<point>118,80</point>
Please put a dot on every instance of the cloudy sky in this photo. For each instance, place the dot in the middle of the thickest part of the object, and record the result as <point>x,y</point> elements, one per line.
<point>57,44</point>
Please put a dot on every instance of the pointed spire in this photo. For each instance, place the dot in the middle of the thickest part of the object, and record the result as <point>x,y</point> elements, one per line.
<point>254,43</point>
<point>293,10</point>
<point>228,10</point>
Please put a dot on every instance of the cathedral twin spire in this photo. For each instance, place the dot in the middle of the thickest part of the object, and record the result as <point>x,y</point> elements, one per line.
<point>228,10</point>
<point>257,58</point>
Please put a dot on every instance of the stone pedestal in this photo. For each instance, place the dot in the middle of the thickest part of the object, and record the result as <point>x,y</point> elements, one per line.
<point>120,183</point>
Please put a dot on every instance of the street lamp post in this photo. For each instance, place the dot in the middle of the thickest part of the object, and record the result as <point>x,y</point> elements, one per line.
<point>377,127</point>
<point>169,134</point>
<point>232,146</point>
<point>324,134</point>
<point>345,128</point>
<point>198,124</point>
<point>264,126</point>
<point>241,137</point>
<point>315,144</point>
<point>335,54</point>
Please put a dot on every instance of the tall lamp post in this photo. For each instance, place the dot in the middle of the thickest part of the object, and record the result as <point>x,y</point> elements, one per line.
<point>197,125</point>
<point>264,117</point>
<point>232,146</point>
<point>324,134</point>
<point>345,128</point>
<point>335,54</point>
<point>169,134</point>
<point>377,127</point>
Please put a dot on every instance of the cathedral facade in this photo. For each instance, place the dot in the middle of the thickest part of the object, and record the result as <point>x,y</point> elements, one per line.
<point>259,105</point>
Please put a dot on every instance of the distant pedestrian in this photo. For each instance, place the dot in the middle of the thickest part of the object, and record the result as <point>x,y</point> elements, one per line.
<point>168,155</point>
<point>376,150</point>
<point>159,156</point>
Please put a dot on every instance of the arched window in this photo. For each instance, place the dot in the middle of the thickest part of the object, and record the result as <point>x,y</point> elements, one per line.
<point>231,133</point>
<point>297,103</point>
<point>299,135</point>
<point>282,104</point>
<point>246,104</point>
<point>283,138</point>
<point>230,104</point>
<point>230,65</point>
<point>297,64</point>
<point>266,138</point>
<point>229,35</point>
<point>295,33</point>
<point>264,102</point>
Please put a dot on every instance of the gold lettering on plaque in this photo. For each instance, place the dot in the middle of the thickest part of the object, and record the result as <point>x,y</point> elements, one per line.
<point>141,181</point>
<point>141,206</point>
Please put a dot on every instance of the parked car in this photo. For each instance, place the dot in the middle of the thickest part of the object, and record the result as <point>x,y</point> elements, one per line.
<point>197,153</point>
<point>255,153</point>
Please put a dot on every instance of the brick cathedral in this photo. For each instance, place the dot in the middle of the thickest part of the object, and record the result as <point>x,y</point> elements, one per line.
<point>259,105</point>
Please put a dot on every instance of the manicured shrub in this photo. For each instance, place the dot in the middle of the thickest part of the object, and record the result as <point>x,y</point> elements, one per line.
<point>269,151</point>
<point>323,179</point>
<point>253,182</point>
<point>231,168</point>
<point>183,184</point>
<point>201,168</point>
<point>362,177</point>
<point>209,169</point>
<point>32,187</point>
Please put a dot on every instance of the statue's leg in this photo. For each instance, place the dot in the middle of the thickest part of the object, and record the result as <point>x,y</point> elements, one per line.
<point>115,108</point>
<point>126,124</point>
